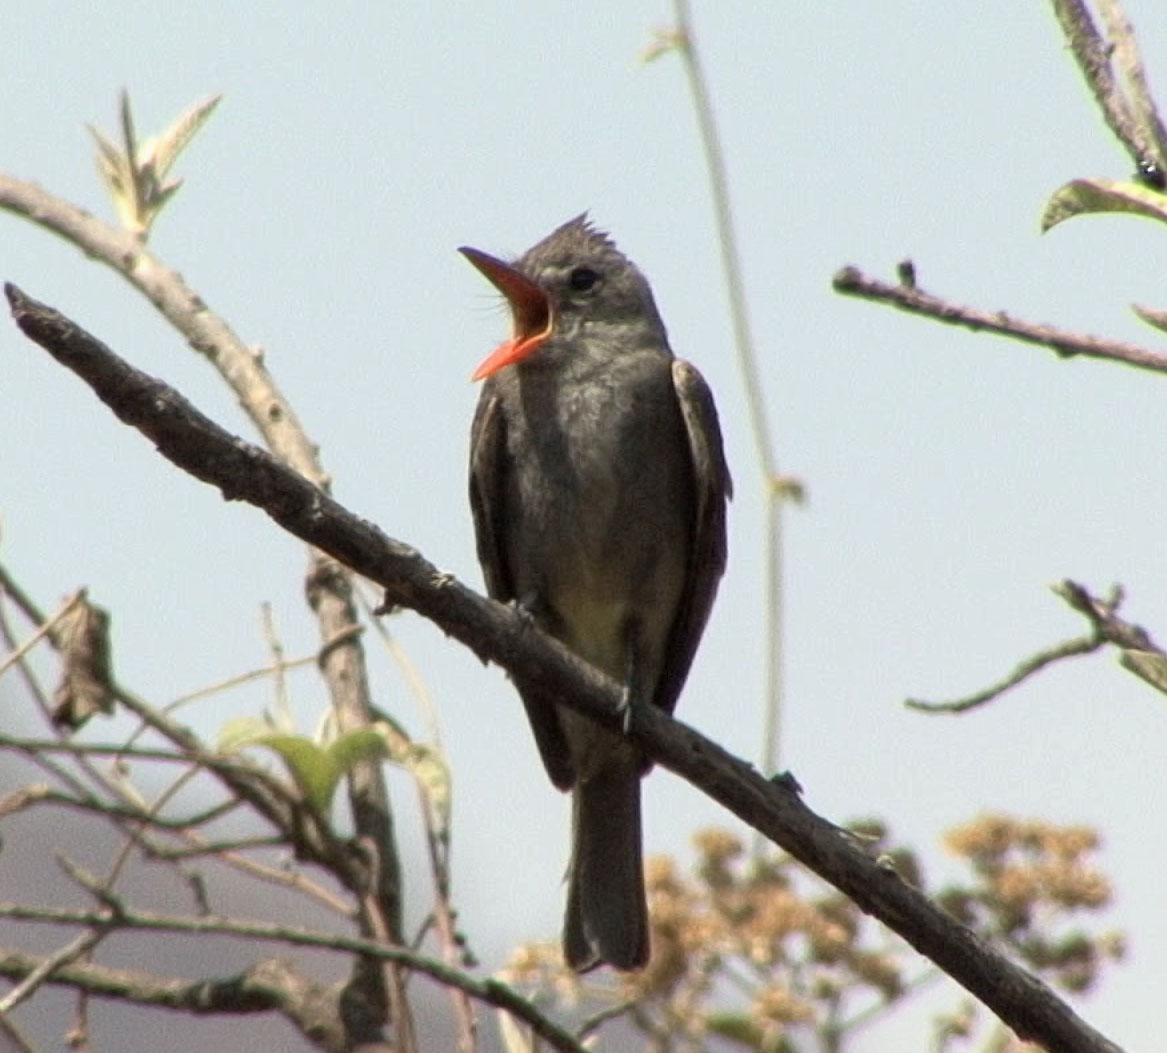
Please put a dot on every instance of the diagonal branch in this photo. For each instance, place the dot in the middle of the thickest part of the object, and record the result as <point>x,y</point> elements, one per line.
<point>501,634</point>
<point>908,297</point>
<point>1140,654</point>
<point>1024,669</point>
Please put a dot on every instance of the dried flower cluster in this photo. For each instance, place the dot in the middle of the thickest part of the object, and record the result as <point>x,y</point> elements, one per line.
<point>1030,878</point>
<point>751,950</point>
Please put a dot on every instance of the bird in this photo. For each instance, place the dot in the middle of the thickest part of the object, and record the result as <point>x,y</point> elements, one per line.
<point>598,490</point>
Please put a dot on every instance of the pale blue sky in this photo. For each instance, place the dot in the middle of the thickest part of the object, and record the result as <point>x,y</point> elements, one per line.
<point>951,476</point>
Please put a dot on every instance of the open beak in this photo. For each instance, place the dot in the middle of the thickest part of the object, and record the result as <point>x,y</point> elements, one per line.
<point>530,312</point>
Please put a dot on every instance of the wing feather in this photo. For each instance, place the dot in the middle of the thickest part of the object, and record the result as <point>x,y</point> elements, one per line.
<point>712,488</point>
<point>490,462</point>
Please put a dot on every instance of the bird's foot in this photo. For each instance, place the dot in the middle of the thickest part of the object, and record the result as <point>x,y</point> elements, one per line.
<point>525,607</point>
<point>787,781</point>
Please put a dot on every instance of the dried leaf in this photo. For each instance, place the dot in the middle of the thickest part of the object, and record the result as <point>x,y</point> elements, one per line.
<point>86,686</point>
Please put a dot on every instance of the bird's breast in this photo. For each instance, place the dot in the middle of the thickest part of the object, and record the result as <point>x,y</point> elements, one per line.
<point>600,508</point>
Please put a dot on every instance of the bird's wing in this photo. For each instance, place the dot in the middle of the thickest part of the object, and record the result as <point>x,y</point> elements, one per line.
<point>712,488</point>
<point>489,464</point>
<point>487,487</point>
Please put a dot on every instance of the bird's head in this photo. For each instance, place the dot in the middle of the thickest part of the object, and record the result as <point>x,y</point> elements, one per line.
<point>574,283</point>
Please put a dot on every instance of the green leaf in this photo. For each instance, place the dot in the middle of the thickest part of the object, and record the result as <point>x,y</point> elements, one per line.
<point>1085,196</point>
<point>315,772</point>
<point>355,746</point>
<point>316,769</point>
<point>134,172</point>
<point>1147,665</point>
<point>164,150</point>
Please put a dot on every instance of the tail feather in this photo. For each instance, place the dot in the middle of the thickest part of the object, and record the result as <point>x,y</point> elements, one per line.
<point>607,914</point>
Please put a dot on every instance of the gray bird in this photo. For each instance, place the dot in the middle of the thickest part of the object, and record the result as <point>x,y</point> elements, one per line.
<point>598,485</point>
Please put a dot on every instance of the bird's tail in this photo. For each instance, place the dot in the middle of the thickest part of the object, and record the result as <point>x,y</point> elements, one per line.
<point>607,914</point>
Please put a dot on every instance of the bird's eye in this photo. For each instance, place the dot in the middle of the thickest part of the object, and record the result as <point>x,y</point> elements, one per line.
<point>582,278</point>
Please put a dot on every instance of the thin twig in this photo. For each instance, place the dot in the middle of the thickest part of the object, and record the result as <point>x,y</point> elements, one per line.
<point>29,609</point>
<point>215,848</point>
<point>281,705</point>
<point>1106,628</point>
<point>9,587</point>
<point>774,632</point>
<point>491,991</point>
<point>437,842</point>
<point>289,879</point>
<point>45,629</point>
<point>30,796</point>
<point>418,688</point>
<point>102,749</point>
<point>267,986</point>
<point>235,681</point>
<point>71,952</point>
<point>136,837</point>
<point>10,1031</point>
<point>852,282</point>
<point>442,917</point>
<point>1023,670</point>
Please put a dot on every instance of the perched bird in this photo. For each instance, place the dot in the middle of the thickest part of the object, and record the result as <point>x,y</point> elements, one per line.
<point>598,486</point>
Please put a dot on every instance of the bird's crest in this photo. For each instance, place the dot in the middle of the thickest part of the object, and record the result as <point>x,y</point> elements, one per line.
<point>576,238</point>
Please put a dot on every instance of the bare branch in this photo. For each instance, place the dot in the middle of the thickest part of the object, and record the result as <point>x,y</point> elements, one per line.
<point>1035,663</point>
<point>147,989</point>
<point>1140,654</point>
<point>45,629</point>
<point>268,986</point>
<point>501,634</point>
<point>18,1043</point>
<point>71,952</point>
<point>290,879</point>
<point>907,297</point>
<point>1102,614</point>
<point>242,678</point>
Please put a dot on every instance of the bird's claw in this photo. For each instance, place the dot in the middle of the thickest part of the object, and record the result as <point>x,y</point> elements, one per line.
<point>524,607</point>
<point>624,709</point>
